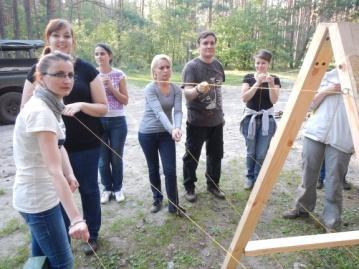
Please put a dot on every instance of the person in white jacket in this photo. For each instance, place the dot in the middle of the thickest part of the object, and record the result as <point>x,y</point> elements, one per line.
<point>327,135</point>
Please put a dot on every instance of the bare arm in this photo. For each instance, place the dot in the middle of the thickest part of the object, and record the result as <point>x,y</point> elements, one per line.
<point>321,95</point>
<point>67,170</point>
<point>273,90</point>
<point>120,94</point>
<point>53,161</point>
<point>248,92</point>
<point>96,109</point>
<point>27,92</point>
<point>192,93</point>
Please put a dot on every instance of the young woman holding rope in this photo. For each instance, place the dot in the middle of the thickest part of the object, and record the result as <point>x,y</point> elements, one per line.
<point>88,101</point>
<point>158,132</point>
<point>259,91</point>
<point>43,171</point>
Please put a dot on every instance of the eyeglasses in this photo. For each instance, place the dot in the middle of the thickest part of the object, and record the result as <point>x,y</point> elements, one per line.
<point>61,75</point>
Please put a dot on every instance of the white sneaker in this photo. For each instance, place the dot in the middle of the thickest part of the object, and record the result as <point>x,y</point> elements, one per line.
<point>105,197</point>
<point>248,184</point>
<point>119,196</point>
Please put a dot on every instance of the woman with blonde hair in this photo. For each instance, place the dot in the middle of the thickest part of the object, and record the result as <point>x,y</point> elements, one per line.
<point>158,132</point>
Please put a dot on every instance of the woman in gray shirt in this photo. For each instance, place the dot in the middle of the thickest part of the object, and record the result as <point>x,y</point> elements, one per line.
<point>158,131</point>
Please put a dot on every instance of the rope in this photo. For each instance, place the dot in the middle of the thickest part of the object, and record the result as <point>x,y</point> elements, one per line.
<point>174,204</point>
<point>228,201</point>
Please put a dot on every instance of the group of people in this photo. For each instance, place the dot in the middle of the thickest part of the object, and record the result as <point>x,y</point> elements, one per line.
<point>67,104</point>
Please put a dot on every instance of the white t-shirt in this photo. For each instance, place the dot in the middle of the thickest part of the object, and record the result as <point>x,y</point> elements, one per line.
<point>33,190</point>
<point>329,123</point>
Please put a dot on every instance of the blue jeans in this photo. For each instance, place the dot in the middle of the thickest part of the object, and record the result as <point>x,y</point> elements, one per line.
<point>111,165</point>
<point>49,237</point>
<point>85,166</point>
<point>256,148</point>
<point>161,143</point>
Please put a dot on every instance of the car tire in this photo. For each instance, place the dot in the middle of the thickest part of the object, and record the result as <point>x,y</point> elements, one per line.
<point>9,106</point>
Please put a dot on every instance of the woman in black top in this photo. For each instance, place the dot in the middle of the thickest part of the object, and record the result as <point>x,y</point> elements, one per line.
<point>259,91</point>
<point>87,102</point>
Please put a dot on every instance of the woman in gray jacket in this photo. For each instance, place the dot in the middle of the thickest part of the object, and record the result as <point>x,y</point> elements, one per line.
<point>158,131</point>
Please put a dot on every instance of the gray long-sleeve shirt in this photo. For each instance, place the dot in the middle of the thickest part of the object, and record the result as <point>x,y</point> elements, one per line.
<point>158,110</point>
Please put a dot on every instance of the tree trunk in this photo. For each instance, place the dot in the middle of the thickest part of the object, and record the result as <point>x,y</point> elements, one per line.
<point>50,9</point>
<point>15,20</point>
<point>27,9</point>
<point>210,13</point>
<point>59,8</point>
<point>2,21</point>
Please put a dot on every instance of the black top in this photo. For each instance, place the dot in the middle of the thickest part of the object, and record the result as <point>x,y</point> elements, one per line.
<point>260,99</point>
<point>77,136</point>
<point>206,109</point>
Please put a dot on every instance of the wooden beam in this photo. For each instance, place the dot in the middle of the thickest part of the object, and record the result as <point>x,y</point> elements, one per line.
<point>298,243</point>
<point>314,66</point>
<point>345,39</point>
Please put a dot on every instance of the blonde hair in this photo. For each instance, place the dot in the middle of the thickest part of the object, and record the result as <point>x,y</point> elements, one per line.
<point>155,61</point>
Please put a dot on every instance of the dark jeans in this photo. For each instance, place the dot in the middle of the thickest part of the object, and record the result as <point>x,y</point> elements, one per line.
<point>196,136</point>
<point>256,148</point>
<point>49,237</point>
<point>161,143</point>
<point>111,165</point>
<point>85,166</point>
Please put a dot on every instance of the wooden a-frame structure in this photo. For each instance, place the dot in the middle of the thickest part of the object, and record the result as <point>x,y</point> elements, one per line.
<point>340,40</point>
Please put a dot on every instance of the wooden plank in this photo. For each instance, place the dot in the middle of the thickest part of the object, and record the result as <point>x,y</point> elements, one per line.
<point>314,66</point>
<point>298,243</point>
<point>345,39</point>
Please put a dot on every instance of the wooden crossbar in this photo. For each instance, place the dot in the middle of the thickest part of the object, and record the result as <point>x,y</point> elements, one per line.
<point>298,243</point>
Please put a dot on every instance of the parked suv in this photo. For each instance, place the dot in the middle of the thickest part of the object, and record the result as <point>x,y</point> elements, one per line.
<point>16,59</point>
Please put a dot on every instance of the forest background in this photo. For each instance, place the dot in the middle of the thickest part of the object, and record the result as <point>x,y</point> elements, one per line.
<point>139,29</point>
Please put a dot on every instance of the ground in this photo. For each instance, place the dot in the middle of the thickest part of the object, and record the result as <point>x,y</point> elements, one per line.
<point>132,237</point>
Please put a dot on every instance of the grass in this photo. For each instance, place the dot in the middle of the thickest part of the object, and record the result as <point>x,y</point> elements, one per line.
<point>2,192</point>
<point>140,241</point>
<point>12,226</point>
<point>17,259</point>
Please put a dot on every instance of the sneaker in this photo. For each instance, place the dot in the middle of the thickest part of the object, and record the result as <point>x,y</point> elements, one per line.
<point>91,247</point>
<point>190,196</point>
<point>156,206</point>
<point>320,185</point>
<point>216,192</point>
<point>295,213</point>
<point>105,197</point>
<point>248,184</point>
<point>119,196</point>
<point>346,185</point>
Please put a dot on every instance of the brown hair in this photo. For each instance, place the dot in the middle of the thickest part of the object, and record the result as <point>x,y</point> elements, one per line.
<point>53,26</point>
<point>47,60</point>
<point>106,48</point>
<point>204,35</point>
<point>264,55</point>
